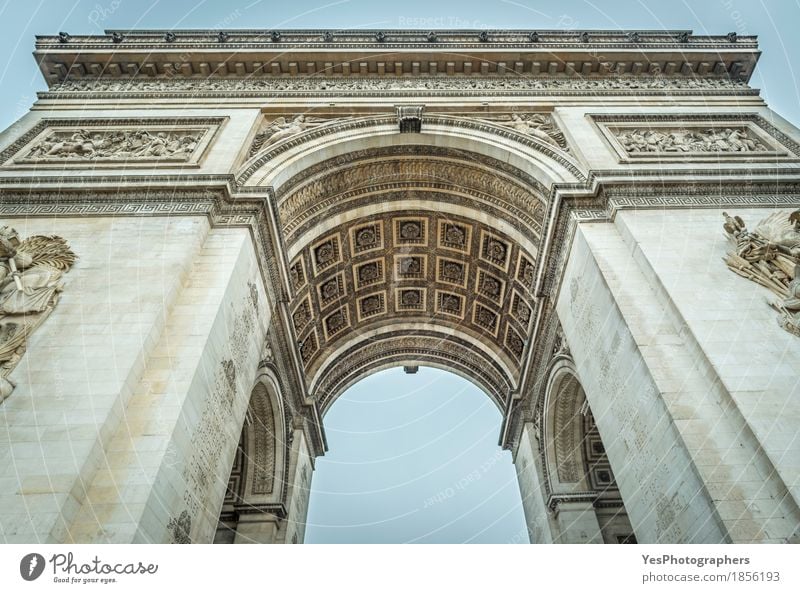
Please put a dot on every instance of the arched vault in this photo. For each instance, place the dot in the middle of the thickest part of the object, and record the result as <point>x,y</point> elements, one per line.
<point>413,248</point>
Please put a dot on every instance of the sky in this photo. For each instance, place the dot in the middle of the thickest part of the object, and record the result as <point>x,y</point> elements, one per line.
<point>413,458</point>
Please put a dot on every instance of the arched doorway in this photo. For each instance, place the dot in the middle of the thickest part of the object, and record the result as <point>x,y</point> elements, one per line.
<point>582,496</point>
<point>413,458</point>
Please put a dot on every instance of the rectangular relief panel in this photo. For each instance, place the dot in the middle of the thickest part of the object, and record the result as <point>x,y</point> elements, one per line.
<point>659,137</point>
<point>82,143</point>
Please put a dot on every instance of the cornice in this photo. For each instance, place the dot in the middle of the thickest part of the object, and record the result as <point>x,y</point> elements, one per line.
<point>373,38</point>
<point>218,54</point>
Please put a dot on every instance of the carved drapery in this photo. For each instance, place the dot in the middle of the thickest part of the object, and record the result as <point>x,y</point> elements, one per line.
<point>770,256</point>
<point>30,284</point>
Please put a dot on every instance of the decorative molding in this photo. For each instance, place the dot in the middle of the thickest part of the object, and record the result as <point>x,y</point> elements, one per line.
<point>370,39</point>
<point>326,189</point>
<point>425,346</point>
<point>456,86</point>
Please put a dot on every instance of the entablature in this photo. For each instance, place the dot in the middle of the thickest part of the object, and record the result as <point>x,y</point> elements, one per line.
<point>220,55</point>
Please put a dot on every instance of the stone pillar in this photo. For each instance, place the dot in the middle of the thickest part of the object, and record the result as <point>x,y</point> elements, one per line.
<point>165,469</point>
<point>575,522</point>
<point>689,459</point>
<point>81,369</point>
<point>257,528</point>
<point>526,462</point>
<point>299,480</point>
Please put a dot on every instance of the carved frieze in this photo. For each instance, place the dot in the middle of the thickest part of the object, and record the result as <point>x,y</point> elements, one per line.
<point>770,256</point>
<point>657,140</point>
<point>682,137</point>
<point>31,274</point>
<point>416,86</point>
<point>78,143</point>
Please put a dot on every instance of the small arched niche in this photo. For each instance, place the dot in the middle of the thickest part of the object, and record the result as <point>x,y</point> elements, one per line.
<point>257,483</point>
<point>582,493</point>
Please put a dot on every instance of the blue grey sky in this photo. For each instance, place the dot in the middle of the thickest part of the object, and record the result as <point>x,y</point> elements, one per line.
<point>413,458</point>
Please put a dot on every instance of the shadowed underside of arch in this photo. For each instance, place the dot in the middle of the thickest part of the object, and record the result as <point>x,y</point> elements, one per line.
<point>410,249</point>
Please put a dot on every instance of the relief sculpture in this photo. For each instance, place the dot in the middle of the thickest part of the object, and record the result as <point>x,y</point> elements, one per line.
<point>30,284</point>
<point>690,140</point>
<point>281,128</point>
<point>538,125</point>
<point>770,256</point>
<point>80,145</point>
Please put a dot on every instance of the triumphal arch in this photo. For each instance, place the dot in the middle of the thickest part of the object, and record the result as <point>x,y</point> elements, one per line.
<point>210,235</point>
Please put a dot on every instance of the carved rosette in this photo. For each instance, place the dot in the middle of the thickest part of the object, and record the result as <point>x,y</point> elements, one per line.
<point>30,284</point>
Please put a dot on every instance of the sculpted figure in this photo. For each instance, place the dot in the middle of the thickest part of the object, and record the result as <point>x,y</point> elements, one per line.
<point>287,129</point>
<point>79,144</point>
<point>30,281</point>
<point>282,128</point>
<point>770,256</point>
<point>792,302</point>
<point>537,125</point>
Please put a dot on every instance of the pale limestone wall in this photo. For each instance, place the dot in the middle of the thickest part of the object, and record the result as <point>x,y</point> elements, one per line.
<point>174,449</point>
<point>652,313</point>
<point>743,348</point>
<point>531,485</point>
<point>84,363</point>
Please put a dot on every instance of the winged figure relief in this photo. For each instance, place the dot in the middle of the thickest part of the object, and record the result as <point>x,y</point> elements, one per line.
<point>770,256</point>
<point>30,283</point>
<point>281,128</point>
<point>537,125</point>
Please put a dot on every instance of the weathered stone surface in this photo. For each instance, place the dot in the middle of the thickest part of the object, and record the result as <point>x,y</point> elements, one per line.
<point>512,219</point>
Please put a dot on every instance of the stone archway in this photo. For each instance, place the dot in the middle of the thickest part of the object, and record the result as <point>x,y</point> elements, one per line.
<point>254,503</point>
<point>412,248</point>
<point>581,493</point>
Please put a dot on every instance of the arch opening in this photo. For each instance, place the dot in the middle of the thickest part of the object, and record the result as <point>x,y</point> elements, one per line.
<point>257,486</point>
<point>413,457</point>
